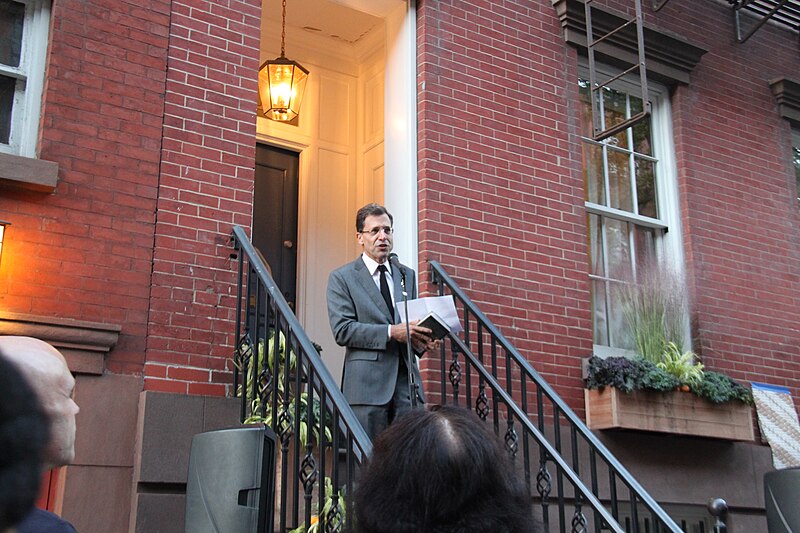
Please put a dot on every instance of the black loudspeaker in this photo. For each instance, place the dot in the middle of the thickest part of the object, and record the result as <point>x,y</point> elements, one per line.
<point>231,482</point>
<point>782,499</point>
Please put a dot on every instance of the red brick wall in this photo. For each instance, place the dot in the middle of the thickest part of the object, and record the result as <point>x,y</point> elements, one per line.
<point>742,224</point>
<point>500,189</point>
<point>206,183</point>
<point>84,252</point>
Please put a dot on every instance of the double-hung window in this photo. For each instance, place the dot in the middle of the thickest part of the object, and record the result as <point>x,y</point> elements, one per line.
<point>631,202</point>
<point>24,27</point>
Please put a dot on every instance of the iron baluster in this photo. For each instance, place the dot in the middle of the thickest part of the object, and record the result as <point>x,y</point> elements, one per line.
<point>455,375</point>
<point>482,405</point>
<point>511,439</point>
<point>544,485</point>
<point>578,520</point>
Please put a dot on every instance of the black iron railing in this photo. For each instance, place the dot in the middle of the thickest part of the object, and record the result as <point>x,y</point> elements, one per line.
<point>576,482</point>
<point>284,384</point>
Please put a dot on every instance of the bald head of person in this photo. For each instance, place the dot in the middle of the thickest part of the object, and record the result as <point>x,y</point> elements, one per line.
<point>46,370</point>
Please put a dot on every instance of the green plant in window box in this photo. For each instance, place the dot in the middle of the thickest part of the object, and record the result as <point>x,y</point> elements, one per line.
<point>654,307</point>
<point>629,375</point>
<point>682,365</point>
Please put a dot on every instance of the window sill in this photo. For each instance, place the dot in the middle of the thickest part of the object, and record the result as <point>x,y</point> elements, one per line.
<point>28,173</point>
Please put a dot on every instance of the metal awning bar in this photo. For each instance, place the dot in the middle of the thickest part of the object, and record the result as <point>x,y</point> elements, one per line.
<point>786,12</point>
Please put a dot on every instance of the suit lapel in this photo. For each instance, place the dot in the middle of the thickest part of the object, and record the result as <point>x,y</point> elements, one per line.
<point>370,289</point>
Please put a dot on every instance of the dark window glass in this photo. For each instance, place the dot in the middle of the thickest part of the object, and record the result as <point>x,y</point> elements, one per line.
<point>7,86</point>
<point>12,18</point>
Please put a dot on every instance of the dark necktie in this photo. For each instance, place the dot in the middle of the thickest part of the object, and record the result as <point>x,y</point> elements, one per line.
<point>387,296</point>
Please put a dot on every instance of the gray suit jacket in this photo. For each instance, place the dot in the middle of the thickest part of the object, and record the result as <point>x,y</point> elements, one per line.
<point>359,320</point>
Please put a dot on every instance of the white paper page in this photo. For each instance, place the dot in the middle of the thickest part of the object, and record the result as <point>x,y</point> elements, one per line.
<point>444,306</point>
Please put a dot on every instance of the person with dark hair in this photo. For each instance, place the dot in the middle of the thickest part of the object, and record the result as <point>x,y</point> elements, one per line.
<point>361,299</point>
<point>53,385</point>
<point>23,437</point>
<point>441,471</point>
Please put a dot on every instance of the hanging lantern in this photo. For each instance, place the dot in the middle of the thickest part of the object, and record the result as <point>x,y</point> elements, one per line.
<point>281,83</point>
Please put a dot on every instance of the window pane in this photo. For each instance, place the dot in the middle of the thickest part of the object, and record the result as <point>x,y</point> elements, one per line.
<point>614,112</point>
<point>596,246</point>
<point>12,18</point>
<point>587,130</point>
<point>618,249</point>
<point>645,239</point>
<point>7,86</point>
<point>646,187</point>
<point>618,330</point>
<point>641,130</point>
<point>599,308</point>
<point>593,168</point>
<point>619,181</point>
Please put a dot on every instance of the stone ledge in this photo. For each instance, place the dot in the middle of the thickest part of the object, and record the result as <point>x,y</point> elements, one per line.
<point>787,96</point>
<point>670,58</point>
<point>84,344</point>
<point>28,173</point>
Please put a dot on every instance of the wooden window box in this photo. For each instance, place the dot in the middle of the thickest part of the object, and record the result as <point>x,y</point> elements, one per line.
<point>676,412</point>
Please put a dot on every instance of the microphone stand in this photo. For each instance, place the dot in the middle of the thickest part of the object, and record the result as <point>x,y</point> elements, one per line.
<point>412,384</point>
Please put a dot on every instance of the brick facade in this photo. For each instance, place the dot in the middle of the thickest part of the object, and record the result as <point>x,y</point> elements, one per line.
<point>206,184</point>
<point>85,251</point>
<point>149,112</point>
<point>500,188</point>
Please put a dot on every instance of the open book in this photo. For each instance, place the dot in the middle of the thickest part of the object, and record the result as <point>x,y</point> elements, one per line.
<point>436,324</point>
<point>435,309</point>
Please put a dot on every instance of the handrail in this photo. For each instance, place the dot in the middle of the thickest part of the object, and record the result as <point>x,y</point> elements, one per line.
<point>284,383</point>
<point>279,371</point>
<point>553,411</point>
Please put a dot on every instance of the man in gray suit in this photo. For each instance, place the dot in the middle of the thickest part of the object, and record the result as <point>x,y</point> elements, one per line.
<point>362,318</point>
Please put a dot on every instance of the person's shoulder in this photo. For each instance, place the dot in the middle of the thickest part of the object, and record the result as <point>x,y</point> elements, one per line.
<point>409,269</point>
<point>41,521</point>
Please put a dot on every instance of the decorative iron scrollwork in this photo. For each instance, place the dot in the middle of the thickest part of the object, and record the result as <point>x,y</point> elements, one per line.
<point>285,426</point>
<point>511,439</point>
<point>455,372</point>
<point>334,521</point>
<point>544,483</point>
<point>482,405</point>
<point>308,472</point>
<point>578,522</point>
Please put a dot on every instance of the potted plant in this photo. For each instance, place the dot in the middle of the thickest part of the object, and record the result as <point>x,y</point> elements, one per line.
<point>290,404</point>
<point>663,387</point>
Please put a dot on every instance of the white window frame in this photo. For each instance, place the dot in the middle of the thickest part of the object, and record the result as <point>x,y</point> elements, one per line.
<point>27,105</point>
<point>669,248</point>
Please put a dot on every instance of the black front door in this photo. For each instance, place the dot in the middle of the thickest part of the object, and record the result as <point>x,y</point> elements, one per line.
<point>275,201</point>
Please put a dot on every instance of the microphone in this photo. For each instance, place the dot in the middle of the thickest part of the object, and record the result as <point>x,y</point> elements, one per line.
<point>395,262</point>
<point>412,384</point>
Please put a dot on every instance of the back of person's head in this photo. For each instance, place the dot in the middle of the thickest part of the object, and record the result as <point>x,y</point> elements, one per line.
<point>441,470</point>
<point>23,437</point>
<point>46,370</point>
